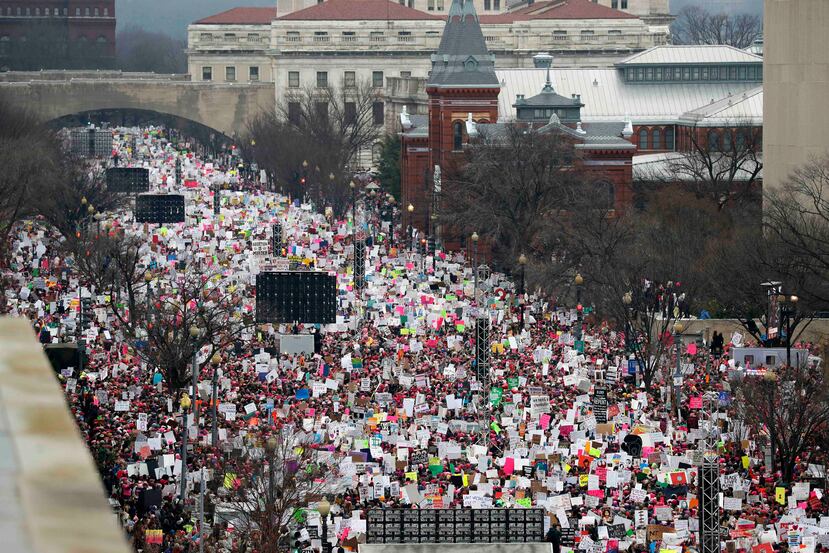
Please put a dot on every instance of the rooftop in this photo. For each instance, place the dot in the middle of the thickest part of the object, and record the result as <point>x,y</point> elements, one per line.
<point>700,54</point>
<point>566,9</point>
<point>240,16</point>
<point>606,96</point>
<point>364,10</point>
<point>734,109</point>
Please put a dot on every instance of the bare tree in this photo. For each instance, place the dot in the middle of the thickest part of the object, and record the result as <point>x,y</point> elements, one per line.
<point>513,186</point>
<point>797,214</point>
<point>790,407</point>
<point>315,139</point>
<point>28,155</point>
<point>644,269</point>
<point>264,490</point>
<point>695,25</point>
<point>73,195</point>
<point>722,166</point>
<point>141,50</point>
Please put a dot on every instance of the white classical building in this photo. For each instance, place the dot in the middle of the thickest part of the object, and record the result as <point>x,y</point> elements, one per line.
<point>232,46</point>
<point>337,40</point>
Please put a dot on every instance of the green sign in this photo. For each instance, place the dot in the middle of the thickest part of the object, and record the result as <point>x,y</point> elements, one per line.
<point>580,346</point>
<point>512,382</point>
<point>495,396</point>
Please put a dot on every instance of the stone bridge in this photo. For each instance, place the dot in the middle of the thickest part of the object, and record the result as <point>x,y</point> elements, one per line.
<point>224,107</point>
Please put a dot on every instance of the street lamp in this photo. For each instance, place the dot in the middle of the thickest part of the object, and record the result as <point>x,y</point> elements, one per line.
<point>522,262</point>
<point>194,334</point>
<point>770,378</point>
<point>410,209</point>
<point>579,281</point>
<point>270,447</point>
<point>788,309</point>
<point>678,328</point>
<point>215,360</point>
<point>475,239</point>
<point>324,507</point>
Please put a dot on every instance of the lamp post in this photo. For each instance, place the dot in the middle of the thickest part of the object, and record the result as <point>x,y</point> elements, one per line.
<point>194,333</point>
<point>678,328</point>
<point>324,507</point>
<point>422,255</point>
<point>214,435</point>
<point>353,186</point>
<point>475,239</point>
<point>410,209</point>
<point>579,281</point>
<point>270,448</point>
<point>770,378</point>
<point>788,309</point>
<point>627,300</point>
<point>522,262</point>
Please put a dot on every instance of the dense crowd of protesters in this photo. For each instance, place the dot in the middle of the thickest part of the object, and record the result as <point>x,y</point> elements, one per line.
<point>392,397</point>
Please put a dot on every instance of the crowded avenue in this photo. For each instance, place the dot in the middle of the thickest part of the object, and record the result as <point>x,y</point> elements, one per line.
<point>286,435</point>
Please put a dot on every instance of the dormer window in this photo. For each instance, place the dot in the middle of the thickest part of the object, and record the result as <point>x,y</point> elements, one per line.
<point>471,64</point>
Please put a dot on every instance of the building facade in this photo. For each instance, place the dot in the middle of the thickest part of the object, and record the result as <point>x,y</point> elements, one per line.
<point>796,86</point>
<point>57,34</point>
<point>232,46</point>
<point>464,92</point>
<point>370,38</point>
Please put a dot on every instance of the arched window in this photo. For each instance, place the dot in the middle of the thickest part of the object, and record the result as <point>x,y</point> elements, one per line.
<point>643,139</point>
<point>457,135</point>
<point>97,12</point>
<point>741,141</point>
<point>37,11</point>
<point>657,139</point>
<point>77,12</point>
<point>86,12</point>
<point>669,138</point>
<point>713,141</point>
<point>726,140</point>
<point>604,195</point>
<point>5,40</point>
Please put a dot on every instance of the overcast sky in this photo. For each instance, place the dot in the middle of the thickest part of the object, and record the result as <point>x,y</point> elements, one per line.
<point>172,16</point>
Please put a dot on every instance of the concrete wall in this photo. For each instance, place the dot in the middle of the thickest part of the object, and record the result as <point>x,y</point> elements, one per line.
<point>51,496</point>
<point>796,85</point>
<point>224,107</point>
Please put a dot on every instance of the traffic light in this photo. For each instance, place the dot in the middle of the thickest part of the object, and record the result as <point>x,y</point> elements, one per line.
<point>431,245</point>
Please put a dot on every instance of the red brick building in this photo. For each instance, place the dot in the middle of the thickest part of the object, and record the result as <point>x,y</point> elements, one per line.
<point>463,92</point>
<point>57,34</point>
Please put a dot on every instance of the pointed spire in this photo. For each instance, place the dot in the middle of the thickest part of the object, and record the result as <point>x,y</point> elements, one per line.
<point>469,10</point>
<point>456,10</point>
<point>462,58</point>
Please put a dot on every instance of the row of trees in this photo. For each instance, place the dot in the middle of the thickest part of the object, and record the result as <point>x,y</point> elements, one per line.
<point>316,139</point>
<point>696,25</point>
<point>697,237</point>
<point>38,179</point>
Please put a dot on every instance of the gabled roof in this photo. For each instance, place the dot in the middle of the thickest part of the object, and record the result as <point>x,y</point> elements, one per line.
<point>351,10</point>
<point>462,58</point>
<point>606,95</point>
<point>240,16</point>
<point>697,54</point>
<point>746,108</point>
<point>570,9</point>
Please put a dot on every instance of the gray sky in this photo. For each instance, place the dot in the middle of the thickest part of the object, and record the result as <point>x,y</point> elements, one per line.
<point>720,6</point>
<point>172,16</point>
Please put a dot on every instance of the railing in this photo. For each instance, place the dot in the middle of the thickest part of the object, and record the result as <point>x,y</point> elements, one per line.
<point>323,38</point>
<point>377,39</point>
<point>348,38</point>
<point>293,38</point>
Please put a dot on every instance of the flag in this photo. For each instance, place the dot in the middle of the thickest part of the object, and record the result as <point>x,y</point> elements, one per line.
<point>679,478</point>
